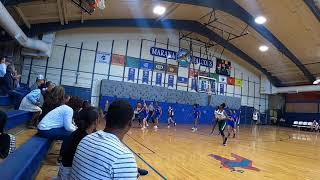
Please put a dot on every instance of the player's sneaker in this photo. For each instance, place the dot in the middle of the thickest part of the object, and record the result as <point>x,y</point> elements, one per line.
<point>195,129</point>
<point>175,124</point>
<point>168,126</point>
<point>192,128</point>
<point>156,127</point>
<point>225,141</point>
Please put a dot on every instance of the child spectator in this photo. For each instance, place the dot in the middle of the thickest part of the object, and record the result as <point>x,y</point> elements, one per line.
<point>58,123</point>
<point>7,141</point>
<point>31,103</point>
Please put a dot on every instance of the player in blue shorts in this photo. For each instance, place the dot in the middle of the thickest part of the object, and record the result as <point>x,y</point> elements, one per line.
<point>144,115</point>
<point>151,112</point>
<point>156,115</point>
<point>231,124</point>
<point>196,114</point>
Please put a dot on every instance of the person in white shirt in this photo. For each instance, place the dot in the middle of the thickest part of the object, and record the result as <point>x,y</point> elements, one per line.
<point>103,155</point>
<point>3,66</point>
<point>58,123</point>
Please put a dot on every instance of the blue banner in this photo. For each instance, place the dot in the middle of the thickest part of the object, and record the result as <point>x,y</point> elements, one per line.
<point>213,86</point>
<point>145,77</point>
<point>193,84</point>
<point>170,80</point>
<point>131,74</point>
<point>183,80</point>
<point>164,53</point>
<point>221,89</point>
<point>158,79</point>
<point>146,65</point>
<point>203,86</point>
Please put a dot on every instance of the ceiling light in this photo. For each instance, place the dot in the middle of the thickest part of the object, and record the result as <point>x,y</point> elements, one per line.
<point>263,48</point>
<point>159,10</point>
<point>260,20</point>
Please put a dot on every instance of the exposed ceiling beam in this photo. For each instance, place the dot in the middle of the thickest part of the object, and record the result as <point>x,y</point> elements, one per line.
<point>60,12</point>
<point>313,8</point>
<point>231,7</point>
<point>182,25</point>
<point>23,17</point>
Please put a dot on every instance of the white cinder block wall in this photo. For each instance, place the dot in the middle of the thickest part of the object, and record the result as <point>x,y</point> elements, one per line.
<point>73,63</point>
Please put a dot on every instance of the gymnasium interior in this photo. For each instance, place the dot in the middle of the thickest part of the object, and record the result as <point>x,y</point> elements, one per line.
<point>261,58</point>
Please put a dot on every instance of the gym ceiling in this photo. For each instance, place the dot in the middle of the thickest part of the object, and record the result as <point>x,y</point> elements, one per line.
<point>291,31</point>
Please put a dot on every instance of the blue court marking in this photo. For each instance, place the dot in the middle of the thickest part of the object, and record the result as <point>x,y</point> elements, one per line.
<point>149,165</point>
<point>141,144</point>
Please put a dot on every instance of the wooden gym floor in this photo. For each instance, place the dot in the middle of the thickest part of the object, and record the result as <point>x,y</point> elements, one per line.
<point>177,153</point>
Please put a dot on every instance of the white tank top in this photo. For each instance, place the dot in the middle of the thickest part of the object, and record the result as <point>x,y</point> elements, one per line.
<point>221,114</point>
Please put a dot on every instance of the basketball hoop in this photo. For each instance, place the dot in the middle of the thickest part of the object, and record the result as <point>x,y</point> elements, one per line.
<point>101,4</point>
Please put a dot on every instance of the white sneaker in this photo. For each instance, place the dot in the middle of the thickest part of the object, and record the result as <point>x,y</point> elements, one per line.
<point>195,129</point>
<point>175,124</point>
<point>192,128</point>
<point>147,125</point>
<point>168,126</point>
<point>143,128</point>
<point>156,127</point>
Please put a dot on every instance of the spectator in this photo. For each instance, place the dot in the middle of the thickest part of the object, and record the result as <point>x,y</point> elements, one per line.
<point>53,98</point>
<point>102,155</point>
<point>7,141</point>
<point>49,87</point>
<point>66,99</point>
<point>58,123</point>
<point>315,125</point>
<point>5,87</point>
<point>86,104</point>
<point>31,103</point>
<point>39,84</point>
<point>88,121</point>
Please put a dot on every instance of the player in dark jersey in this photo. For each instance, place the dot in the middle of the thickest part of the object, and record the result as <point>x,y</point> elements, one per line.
<point>222,116</point>
<point>156,115</point>
<point>196,115</point>
<point>170,117</point>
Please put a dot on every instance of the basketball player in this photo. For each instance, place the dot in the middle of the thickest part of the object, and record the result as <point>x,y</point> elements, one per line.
<point>222,116</point>
<point>170,117</point>
<point>137,113</point>
<point>231,124</point>
<point>255,117</point>
<point>196,114</point>
<point>144,116</point>
<point>156,115</point>
<point>150,113</point>
<point>214,120</point>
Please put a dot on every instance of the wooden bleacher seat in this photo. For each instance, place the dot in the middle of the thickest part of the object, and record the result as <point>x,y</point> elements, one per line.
<point>25,162</point>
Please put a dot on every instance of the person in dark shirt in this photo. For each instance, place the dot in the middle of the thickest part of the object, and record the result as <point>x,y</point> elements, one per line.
<point>7,141</point>
<point>87,122</point>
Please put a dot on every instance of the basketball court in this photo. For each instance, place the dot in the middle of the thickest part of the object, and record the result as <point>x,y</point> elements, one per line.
<point>252,63</point>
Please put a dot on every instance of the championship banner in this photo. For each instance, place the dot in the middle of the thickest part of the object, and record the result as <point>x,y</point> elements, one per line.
<point>173,69</point>
<point>102,57</point>
<point>238,82</point>
<point>213,86</point>
<point>145,77</point>
<point>158,79</point>
<point>193,72</point>
<point>133,62</point>
<point>183,80</point>
<point>170,80</point>
<point>203,86</point>
<point>193,84</point>
<point>131,74</point>
<point>146,65</point>
<point>203,73</point>
<point>214,76</point>
<point>221,89</point>
<point>223,79</point>
<point>160,67</point>
<point>118,59</point>
<point>231,81</point>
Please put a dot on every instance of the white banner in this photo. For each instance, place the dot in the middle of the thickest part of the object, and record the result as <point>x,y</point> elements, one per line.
<point>223,79</point>
<point>103,57</point>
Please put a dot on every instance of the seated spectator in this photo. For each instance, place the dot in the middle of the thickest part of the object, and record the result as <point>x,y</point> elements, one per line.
<point>7,141</point>
<point>39,84</point>
<point>31,103</point>
<point>66,99</point>
<point>53,98</point>
<point>102,155</point>
<point>86,104</point>
<point>48,89</point>
<point>88,121</point>
<point>58,123</point>
<point>315,125</point>
<point>5,80</point>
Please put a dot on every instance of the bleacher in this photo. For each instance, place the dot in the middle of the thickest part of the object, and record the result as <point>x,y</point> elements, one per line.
<point>25,162</point>
<point>302,124</point>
